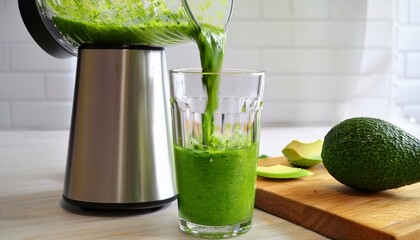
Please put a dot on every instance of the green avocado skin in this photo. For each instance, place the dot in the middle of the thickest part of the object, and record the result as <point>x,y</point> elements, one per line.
<point>370,154</point>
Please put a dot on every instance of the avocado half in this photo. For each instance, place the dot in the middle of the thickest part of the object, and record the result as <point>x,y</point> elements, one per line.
<point>371,154</point>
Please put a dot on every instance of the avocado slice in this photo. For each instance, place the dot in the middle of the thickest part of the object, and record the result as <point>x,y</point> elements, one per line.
<point>304,155</point>
<point>281,171</point>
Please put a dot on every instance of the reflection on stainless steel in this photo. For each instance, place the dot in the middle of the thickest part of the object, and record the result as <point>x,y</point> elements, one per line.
<point>120,148</point>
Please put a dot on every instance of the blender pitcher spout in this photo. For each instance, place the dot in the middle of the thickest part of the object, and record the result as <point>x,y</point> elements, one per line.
<point>215,13</point>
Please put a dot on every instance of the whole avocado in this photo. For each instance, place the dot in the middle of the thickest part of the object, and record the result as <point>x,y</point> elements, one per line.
<point>370,154</point>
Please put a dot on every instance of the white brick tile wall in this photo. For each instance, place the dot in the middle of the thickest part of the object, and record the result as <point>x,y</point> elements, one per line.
<point>298,61</point>
<point>29,96</point>
<point>400,65</point>
<point>12,27</point>
<point>248,9</point>
<point>413,64</point>
<point>274,9</point>
<point>259,34</point>
<point>409,38</point>
<point>412,111</point>
<point>41,114</point>
<point>316,9</point>
<point>403,10</point>
<point>308,88</point>
<point>377,60</point>
<point>301,9</point>
<point>4,57</point>
<point>347,61</point>
<point>373,86</point>
<point>60,86</point>
<point>182,56</point>
<point>243,58</point>
<point>369,106</point>
<point>311,51</point>
<point>354,9</point>
<point>406,94</point>
<point>10,5</point>
<point>379,34</point>
<point>328,34</point>
<point>293,112</point>
<point>30,57</point>
<point>382,9</point>
<point>4,114</point>
<point>414,11</point>
<point>21,86</point>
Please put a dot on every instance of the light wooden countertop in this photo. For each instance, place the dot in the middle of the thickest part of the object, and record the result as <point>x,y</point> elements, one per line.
<point>32,165</point>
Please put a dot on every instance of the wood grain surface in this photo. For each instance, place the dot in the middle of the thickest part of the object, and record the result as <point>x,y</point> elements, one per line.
<point>324,205</point>
<point>32,165</point>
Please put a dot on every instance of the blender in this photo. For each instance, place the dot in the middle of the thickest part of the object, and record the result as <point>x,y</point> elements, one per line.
<point>120,153</point>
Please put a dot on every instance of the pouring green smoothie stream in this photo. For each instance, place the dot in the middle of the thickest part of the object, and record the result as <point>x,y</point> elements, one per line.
<point>233,167</point>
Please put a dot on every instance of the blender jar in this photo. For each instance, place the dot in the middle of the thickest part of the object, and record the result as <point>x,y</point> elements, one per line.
<point>61,26</point>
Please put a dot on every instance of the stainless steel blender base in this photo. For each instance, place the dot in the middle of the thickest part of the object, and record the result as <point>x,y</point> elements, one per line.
<point>120,206</point>
<point>120,149</point>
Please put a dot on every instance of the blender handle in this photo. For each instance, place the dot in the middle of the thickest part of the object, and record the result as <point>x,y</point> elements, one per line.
<point>43,31</point>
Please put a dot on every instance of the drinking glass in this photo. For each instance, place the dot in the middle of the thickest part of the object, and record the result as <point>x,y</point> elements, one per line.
<point>216,127</point>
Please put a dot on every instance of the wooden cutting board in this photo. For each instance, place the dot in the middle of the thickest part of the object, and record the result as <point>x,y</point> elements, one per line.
<point>322,204</point>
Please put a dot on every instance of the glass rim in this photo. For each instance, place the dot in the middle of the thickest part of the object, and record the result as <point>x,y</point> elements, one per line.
<point>225,71</point>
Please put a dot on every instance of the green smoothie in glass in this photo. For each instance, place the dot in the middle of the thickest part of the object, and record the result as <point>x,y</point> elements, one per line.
<point>216,173</point>
<point>216,186</point>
